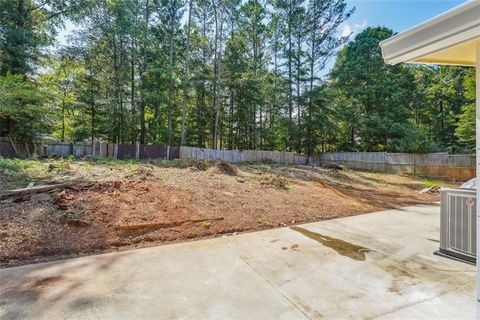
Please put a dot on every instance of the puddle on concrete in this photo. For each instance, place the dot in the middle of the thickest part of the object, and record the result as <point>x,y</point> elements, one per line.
<point>342,247</point>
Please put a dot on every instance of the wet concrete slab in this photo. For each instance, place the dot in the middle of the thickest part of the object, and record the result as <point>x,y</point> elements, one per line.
<point>374,266</point>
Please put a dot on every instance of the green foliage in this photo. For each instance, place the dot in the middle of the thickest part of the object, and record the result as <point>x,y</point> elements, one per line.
<point>249,78</point>
<point>115,162</point>
<point>70,216</point>
<point>413,140</point>
<point>206,224</point>
<point>465,130</point>
<point>378,95</point>
<point>62,80</point>
<point>438,183</point>
<point>21,36</point>
<point>22,110</point>
<point>19,172</point>
<point>443,98</point>
<point>27,27</point>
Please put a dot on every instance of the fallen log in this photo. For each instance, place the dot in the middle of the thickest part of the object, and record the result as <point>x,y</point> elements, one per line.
<point>332,165</point>
<point>161,225</point>
<point>36,189</point>
<point>431,190</point>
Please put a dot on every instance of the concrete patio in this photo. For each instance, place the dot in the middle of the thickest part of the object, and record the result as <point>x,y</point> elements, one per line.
<point>374,266</point>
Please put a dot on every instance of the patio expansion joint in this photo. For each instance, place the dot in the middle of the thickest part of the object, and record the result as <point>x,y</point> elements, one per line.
<point>396,309</point>
<point>282,294</point>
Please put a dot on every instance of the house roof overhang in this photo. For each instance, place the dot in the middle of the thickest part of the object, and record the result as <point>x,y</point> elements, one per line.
<point>450,38</point>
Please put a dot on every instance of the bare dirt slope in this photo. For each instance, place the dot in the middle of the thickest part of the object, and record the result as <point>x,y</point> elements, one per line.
<point>119,206</point>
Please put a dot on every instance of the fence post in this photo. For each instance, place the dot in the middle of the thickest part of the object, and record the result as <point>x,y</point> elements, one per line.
<point>115,151</point>
<point>385,162</point>
<point>137,151</point>
<point>414,163</point>
<point>168,153</point>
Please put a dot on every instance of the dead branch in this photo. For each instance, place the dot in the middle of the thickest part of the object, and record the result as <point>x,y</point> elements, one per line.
<point>36,189</point>
<point>162,225</point>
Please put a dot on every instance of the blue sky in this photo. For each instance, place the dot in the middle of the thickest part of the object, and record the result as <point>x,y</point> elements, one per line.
<point>398,15</point>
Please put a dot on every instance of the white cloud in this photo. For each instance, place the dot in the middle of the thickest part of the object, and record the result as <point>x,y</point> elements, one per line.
<point>353,29</point>
<point>347,30</point>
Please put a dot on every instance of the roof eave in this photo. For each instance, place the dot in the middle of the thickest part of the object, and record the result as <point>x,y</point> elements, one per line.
<point>452,28</point>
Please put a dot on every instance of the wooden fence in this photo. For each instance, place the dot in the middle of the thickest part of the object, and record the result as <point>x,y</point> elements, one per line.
<point>459,167</point>
<point>435,165</point>
<point>112,150</point>
<point>21,149</point>
<point>242,156</point>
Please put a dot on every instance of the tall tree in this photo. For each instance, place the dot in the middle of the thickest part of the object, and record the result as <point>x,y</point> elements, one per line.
<point>382,93</point>
<point>465,127</point>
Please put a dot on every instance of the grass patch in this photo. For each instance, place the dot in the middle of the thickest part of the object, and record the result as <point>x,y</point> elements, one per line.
<point>184,164</point>
<point>17,173</point>
<point>438,183</point>
<point>25,169</point>
<point>24,166</point>
<point>115,162</point>
<point>429,184</point>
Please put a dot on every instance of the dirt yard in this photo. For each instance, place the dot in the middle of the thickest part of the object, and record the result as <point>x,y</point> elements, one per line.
<point>123,205</point>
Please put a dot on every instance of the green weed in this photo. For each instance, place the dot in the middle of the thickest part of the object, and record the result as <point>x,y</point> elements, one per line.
<point>207,224</point>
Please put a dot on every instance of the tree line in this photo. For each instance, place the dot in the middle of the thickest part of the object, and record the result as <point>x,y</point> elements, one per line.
<point>223,74</point>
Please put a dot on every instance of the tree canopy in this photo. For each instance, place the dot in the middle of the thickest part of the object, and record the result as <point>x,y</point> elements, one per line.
<point>221,74</point>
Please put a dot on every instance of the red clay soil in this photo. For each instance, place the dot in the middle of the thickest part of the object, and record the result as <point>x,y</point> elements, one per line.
<point>121,214</point>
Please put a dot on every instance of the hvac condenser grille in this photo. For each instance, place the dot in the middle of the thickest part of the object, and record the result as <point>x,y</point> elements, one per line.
<point>461,233</point>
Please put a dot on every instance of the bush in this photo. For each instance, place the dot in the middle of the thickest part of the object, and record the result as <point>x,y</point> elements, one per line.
<point>24,166</point>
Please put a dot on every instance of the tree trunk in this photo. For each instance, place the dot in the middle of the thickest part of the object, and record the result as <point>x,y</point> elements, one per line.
<point>185,78</point>
<point>63,115</point>
<point>171,52</point>
<point>218,36</point>
<point>141,71</point>
<point>290,78</point>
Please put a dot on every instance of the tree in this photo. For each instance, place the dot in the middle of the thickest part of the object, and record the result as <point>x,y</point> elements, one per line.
<point>22,108</point>
<point>221,73</point>
<point>185,76</point>
<point>324,19</point>
<point>61,80</point>
<point>445,97</point>
<point>381,93</point>
<point>465,128</point>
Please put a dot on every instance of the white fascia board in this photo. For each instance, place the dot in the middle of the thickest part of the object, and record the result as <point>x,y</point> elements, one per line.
<point>454,27</point>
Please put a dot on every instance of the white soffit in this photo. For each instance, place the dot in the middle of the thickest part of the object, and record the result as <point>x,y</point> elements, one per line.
<point>450,38</point>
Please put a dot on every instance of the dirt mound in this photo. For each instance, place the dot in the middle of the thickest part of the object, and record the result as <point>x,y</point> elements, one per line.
<point>276,181</point>
<point>142,173</point>
<point>226,168</point>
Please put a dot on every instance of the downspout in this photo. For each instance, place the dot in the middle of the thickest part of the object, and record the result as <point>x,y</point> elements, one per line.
<point>477,139</point>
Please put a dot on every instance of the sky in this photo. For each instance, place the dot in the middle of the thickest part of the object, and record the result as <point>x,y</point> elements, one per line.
<point>398,15</point>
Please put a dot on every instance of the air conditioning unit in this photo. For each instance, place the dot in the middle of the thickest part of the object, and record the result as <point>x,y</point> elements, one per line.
<point>458,227</point>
